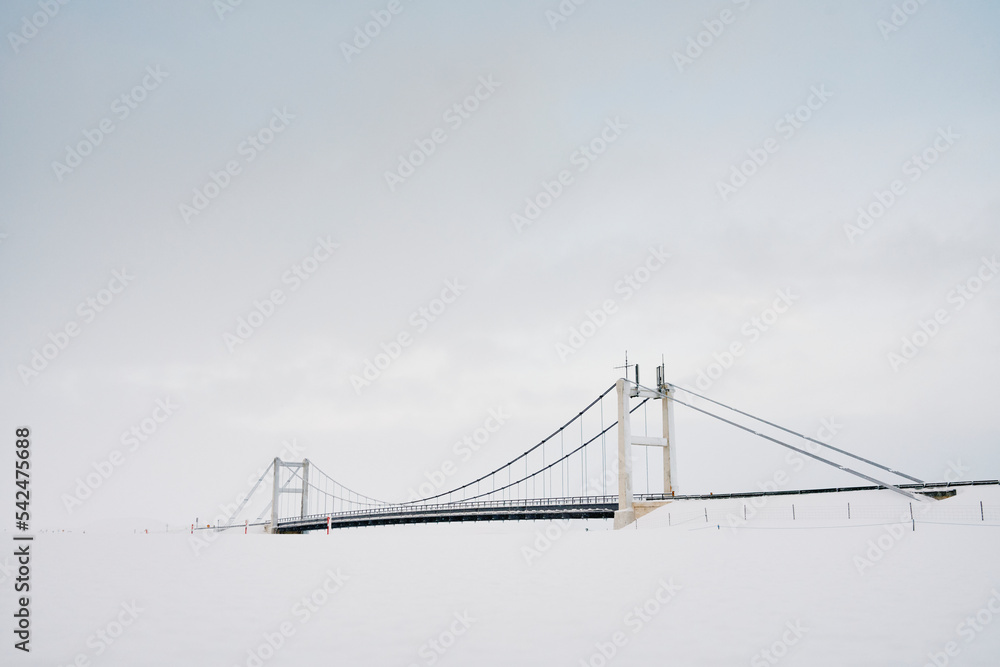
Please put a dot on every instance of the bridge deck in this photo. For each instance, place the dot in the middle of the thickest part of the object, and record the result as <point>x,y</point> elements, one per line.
<point>597,508</point>
<point>586,507</point>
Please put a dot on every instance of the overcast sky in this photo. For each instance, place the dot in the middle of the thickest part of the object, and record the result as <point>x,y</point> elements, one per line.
<point>178,163</point>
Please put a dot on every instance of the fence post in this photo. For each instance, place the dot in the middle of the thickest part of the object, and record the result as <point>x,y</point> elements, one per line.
<point>793,511</point>
<point>912,520</point>
<point>848,511</point>
<point>706,515</point>
<point>982,514</point>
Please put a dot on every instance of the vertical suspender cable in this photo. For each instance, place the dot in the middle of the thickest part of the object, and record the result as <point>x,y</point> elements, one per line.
<point>645,430</point>
<point>604,456</point>
<point>582,457</point>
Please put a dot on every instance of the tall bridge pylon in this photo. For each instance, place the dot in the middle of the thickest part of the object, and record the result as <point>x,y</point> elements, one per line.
<point>628,510</point>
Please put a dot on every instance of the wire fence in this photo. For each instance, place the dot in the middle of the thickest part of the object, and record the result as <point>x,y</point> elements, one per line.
<point>846,513</point>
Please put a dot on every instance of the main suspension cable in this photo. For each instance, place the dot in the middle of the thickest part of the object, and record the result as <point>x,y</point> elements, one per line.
<point>800,435</point>
<point>524,455</point>
<point>801,451</point>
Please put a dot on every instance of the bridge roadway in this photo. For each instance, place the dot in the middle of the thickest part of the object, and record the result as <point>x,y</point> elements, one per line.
<point>580,507</point>
<point>590,507</point>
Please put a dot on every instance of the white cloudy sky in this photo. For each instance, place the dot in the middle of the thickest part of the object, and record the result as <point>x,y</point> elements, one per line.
<point>683,128</point>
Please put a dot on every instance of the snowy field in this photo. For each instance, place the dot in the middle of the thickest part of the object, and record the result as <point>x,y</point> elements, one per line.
<point>816,590</point>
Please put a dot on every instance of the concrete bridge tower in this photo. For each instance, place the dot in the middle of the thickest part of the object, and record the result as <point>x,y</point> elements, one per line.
<point>628,509</point>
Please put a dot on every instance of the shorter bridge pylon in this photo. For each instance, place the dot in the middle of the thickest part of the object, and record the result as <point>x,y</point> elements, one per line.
<point>298,471</point>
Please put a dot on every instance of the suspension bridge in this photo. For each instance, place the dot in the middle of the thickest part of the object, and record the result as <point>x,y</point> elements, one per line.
<point>582,470</point>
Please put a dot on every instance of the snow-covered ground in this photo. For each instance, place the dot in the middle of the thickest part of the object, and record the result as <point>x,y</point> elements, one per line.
<point>817,590</point>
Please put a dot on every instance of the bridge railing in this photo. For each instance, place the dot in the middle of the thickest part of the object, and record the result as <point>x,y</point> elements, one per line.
<point>439,507</point>
<point>585,501</point>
